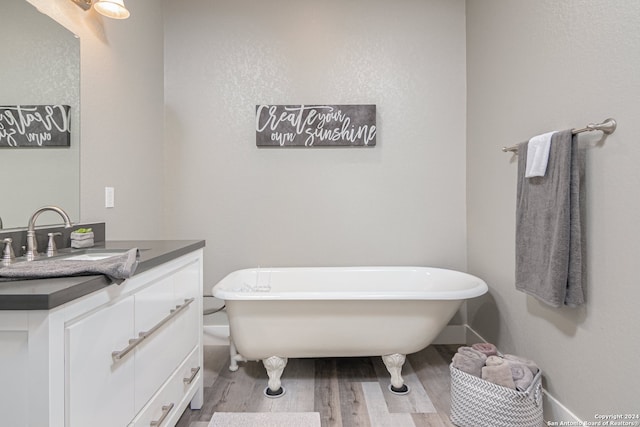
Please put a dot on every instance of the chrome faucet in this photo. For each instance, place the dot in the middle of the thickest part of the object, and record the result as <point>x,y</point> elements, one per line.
<point>32,244</point>
<point>8,256</point>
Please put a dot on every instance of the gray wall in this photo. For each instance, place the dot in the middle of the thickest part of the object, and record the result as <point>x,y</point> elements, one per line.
<point>534,67</point>
<point>401,202</point>
<point>122,139</point>
<point>122,115</point>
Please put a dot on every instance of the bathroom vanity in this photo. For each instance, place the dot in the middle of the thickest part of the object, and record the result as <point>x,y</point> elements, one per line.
<point>81,351</point>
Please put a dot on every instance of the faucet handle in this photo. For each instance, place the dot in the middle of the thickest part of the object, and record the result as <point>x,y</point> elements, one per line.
<point>7,253</point>
<point>51,246</point>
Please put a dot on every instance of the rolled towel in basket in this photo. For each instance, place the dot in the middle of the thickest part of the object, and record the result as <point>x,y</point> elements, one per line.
<point>485,348</point>
<point>495,361</point>
<point>469,360</point>
<point>522,361</point>
<point>522,376</point>
<point>499,374</point>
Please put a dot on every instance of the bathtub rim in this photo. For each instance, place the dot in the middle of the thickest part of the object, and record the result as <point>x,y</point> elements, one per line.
<point>480,288</point>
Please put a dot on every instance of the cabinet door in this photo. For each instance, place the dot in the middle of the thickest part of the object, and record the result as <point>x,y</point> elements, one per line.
<point>156,357</point>
<point>100,390</point>
<point>14,377</point>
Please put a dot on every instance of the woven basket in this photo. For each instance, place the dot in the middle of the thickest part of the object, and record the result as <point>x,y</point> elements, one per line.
<point>479,403</point>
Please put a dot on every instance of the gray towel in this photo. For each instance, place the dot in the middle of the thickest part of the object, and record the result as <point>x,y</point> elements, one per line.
<point>495,361</point>
<point>117,268</point>
<point>550,260</point>
<point>517,360</point>
<point>499,374</point>
<point>485,348</point>
<point>469,360</point>
<point>522,376</point>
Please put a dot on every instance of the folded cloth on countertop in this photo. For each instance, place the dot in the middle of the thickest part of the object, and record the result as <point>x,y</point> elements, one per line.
<point>485,348</point>
<point>79,244</point>
<point>117,268</point>
<point>81,236</point>
<point>522,376</point>
<point>81,240</point>
<point>469,360</point>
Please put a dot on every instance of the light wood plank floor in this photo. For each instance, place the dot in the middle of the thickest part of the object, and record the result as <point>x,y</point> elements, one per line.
<point>347,392</point>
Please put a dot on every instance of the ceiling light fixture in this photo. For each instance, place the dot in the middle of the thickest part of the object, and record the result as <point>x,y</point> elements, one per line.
<point>110,8</point>
<point>84,4</point>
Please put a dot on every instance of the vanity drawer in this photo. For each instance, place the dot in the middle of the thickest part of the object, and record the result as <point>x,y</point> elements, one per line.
<point>187,327</point>
<point>174,331</point>
<point>167,405</point>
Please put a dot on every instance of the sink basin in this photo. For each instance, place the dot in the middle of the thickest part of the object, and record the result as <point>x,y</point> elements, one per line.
<point>89,254</point>
<point>92,254</point>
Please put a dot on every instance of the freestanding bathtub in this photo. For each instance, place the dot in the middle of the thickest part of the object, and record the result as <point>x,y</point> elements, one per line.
<point>281,313</point>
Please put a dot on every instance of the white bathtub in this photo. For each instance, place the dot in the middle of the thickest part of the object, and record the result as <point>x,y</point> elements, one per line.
<point>279,313</point>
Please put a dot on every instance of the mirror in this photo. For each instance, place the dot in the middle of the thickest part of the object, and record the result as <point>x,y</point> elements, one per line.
<point>40,66</point>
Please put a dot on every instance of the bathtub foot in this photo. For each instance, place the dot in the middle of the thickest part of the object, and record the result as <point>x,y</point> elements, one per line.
<point>399,391</point>
<point>274,394</point>
<point>394,363</point>
<point>234,357</point>
<point>275,366</point>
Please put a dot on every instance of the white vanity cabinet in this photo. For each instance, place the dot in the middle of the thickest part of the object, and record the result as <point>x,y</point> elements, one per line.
<point>127,355</point>
<point>100,390</point>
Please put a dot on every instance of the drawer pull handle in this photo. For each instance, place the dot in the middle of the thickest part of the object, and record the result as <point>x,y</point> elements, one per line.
<point>165,411</point>
<point>194,372</point>
<point>117,355</point>
<point>134,342</point>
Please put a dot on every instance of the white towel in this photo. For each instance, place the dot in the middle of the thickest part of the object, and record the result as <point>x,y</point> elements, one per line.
<point>538,155</point>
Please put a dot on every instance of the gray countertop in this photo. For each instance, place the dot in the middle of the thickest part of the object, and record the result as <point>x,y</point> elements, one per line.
<point>45,294</point>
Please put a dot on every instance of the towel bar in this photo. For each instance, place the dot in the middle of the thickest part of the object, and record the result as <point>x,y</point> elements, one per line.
<point>608,126</point>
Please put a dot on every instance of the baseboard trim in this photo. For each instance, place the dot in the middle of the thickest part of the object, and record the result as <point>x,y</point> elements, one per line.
<point>554,410</point>
<point>472,336</point>
<point>215,335</point>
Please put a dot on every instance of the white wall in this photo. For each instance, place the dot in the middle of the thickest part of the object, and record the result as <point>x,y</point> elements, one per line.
<point>401,202</point>
<point>534,67</point>
<point>122,115</point>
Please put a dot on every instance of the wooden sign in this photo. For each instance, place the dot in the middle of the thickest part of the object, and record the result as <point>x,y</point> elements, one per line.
<point>35,126</point>
<point>315,125</point>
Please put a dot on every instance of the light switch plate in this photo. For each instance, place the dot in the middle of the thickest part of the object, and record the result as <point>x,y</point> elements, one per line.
<point>109,197</point>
